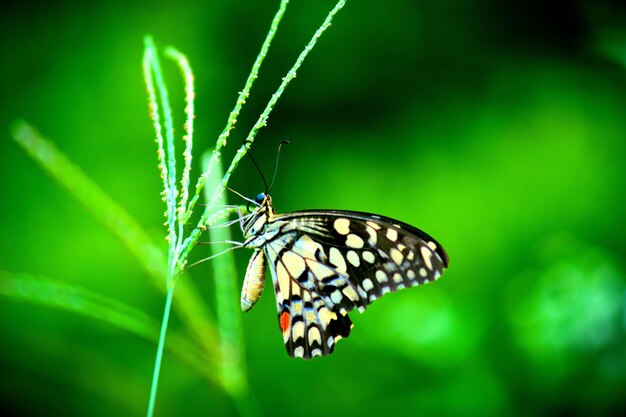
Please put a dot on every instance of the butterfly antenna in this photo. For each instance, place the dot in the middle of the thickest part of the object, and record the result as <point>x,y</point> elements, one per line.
<point>243,196</point>
<point>258,169</point>
<point>280,145</point>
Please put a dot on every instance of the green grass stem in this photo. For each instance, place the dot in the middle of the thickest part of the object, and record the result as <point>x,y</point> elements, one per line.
<point>160,347</point>
<point>244,94</point>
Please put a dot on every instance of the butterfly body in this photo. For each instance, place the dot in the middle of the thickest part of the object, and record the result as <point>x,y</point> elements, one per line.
<point>325,263</point>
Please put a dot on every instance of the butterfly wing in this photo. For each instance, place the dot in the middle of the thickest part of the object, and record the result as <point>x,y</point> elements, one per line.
<point>309,327</point>
<point>326,263</point>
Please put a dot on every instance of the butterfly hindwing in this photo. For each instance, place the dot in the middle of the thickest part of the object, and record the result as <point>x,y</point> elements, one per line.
<point>309,327</point>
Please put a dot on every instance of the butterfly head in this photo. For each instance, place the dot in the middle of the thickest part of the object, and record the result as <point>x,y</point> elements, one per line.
<point>260,198</point>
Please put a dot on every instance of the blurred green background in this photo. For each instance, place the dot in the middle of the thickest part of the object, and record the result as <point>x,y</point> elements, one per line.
<point>499,128</point>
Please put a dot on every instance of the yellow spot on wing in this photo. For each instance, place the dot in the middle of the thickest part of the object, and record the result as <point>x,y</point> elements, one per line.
<point>320,271</point>
<point>336,258</point>
<point>297,330</point>
<point>381,276</point>
<point>350,293</point>
<point>373,235</point>
<point>294,263</point>
<point>396,256</point>
<point>353,258</point>
<point>342,226</point>
<point>283,277</point>
<point>326,316</point>
<point>373,225</point>
<point>427,254</point>
<point>314,335</point>
<point>354,241</point>
<point>368,256</point>
<point>392,234</point>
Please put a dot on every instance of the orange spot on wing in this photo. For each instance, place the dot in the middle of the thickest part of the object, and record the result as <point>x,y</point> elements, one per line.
<point>285,320</point>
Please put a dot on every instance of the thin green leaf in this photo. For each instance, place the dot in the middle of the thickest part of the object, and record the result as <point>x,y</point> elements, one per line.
<point>233,371</point>
<point>62,296</point>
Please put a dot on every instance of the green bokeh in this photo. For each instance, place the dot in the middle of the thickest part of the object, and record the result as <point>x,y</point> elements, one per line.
<point>499,129</point>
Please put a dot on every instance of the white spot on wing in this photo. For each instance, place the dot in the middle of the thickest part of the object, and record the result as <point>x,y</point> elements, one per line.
<point>372,234</point>
<point>368,256</point>
<point>381,276</point>
<point>298,352</point>
<point>283,277</point>
<point>320,271</point>
<point>392,234</point>
<point>367,284</point>
<point>350,293</point>
<point>297,330</point>
<point>336,297</point>
<point>353,258</point>
<point>336,258</point>
<point>314,335</point>
<point>294,263</point>
<point>427,255</point>
<point>354,241</point>
<point>342,226</point>
<point>396,255</point>
<point>373,225</point>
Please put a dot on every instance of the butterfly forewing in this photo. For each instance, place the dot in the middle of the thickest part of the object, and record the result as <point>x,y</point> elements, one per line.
<point>370,255</point>
<point>326,263</point>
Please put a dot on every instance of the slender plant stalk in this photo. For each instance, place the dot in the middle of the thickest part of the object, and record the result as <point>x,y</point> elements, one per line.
<point>160,107</point>
<point>241,100</point>
<point>160,347</point>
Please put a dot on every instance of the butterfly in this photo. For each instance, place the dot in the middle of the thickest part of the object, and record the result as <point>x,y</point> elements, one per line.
<point>326,263</point>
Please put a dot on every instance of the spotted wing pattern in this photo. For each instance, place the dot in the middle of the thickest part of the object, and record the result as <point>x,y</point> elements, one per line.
<point>326,263</point>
